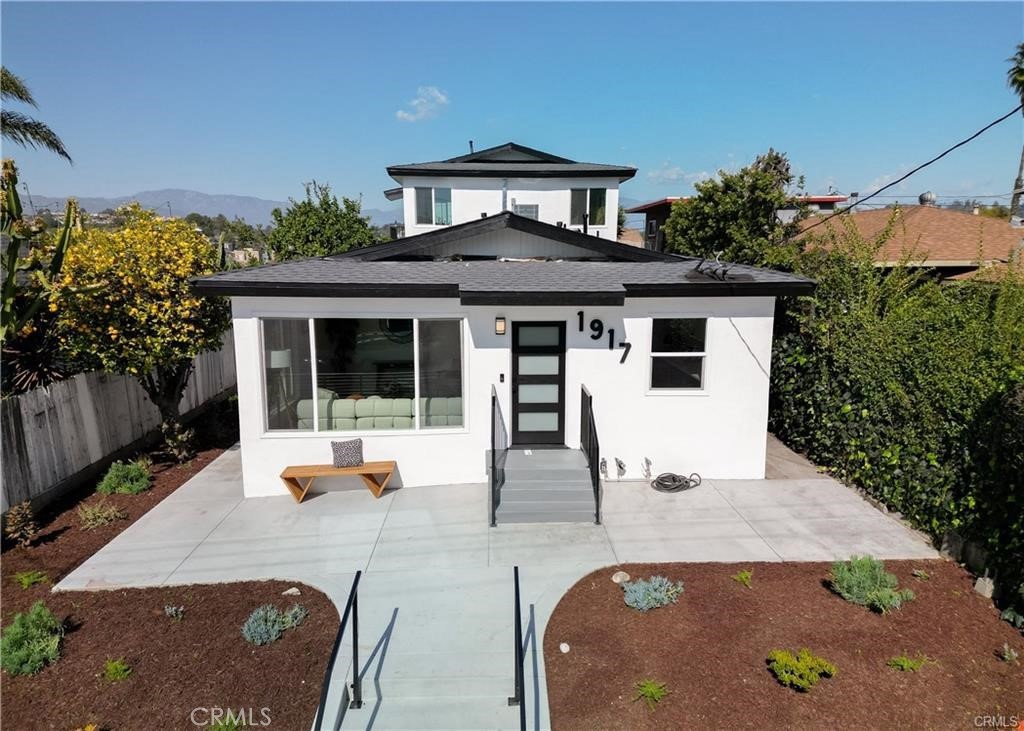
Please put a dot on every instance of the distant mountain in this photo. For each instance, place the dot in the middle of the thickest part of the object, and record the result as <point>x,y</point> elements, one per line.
<point>182,202</point>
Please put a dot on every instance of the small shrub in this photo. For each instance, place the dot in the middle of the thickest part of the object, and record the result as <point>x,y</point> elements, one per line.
<point>28,579</point>
<point>173,612</point>
<point>89,727</point>
<point>920,574</point>
<point>31,641</point>
<point>864,581</point>
<point>801,671</point>
<point>227,724</point>
<point>744,577</point>
<point>647,594</point>
<point>1007,654</point>
<point>116,670</point>
<point>650,692</point>
<point>266,624</point>
<point>1014,617</point>
<point>99,514</point>
<point>20,525</point>
<point>125,478</point>
<point>906,664</point>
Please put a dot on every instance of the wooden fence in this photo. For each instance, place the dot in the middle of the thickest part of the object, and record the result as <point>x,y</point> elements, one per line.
<point>57,437</point>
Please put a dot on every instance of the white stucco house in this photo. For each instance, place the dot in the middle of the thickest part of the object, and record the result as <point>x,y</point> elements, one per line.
<point>500,323</point>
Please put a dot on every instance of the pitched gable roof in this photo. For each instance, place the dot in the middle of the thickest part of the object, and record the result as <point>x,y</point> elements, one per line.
<point>510,152</point>
<point>422,244</point>
<point>385,271</point>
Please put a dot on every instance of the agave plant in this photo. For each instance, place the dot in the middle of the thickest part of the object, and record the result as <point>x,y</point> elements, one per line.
<point>31,268</point>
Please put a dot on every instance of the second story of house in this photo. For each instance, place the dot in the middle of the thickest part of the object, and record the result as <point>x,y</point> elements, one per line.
<point>581,196</point>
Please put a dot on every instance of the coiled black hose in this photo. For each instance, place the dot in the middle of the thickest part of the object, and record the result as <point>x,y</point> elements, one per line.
<point>671,482</point>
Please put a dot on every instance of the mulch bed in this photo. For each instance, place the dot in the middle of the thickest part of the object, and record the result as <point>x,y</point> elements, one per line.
<point>200,662</point>
<point>711,648</point>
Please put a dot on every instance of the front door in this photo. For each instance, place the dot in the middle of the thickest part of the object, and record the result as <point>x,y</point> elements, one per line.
<point>538,383</point>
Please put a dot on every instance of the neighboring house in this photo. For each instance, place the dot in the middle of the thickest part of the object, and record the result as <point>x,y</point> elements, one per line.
<point>656,213</point>
<point>812,204</point>
<point>404,343</point>
<point>510,177</point>
<point>953,243</point>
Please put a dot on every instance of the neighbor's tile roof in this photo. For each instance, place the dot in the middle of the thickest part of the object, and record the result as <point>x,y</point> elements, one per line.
<point>936,236</point>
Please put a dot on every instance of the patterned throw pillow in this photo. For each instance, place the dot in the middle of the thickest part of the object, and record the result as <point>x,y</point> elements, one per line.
<point>348,454</point>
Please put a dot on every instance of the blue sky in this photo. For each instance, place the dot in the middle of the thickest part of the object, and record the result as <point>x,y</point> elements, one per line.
<point>255,98</point>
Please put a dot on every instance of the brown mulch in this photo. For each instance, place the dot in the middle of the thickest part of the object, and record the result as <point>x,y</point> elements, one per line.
<point>711,648</point>
<point>199,662</point>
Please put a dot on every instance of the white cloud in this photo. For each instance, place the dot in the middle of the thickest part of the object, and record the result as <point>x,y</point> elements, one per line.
<point>428,103</point>
<point>668,173</point>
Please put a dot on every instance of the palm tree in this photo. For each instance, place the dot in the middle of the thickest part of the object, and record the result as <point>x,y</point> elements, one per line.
<point>21,128</point>
<point>1015,80</point>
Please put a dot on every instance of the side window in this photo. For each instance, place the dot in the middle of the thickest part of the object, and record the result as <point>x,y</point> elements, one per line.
<point>677,353</point>
<point>578,206</point>
<point>443,206</point>
<point>424,206</point>
<point>597,206</point>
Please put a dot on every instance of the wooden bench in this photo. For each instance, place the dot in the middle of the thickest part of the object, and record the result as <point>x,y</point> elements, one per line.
<point>299,478</point>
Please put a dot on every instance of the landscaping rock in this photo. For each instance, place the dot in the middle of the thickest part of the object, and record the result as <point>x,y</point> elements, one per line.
<point>294,591</point>
<point>985,586</point>
<point>564,647</point>
<point>620,577</point>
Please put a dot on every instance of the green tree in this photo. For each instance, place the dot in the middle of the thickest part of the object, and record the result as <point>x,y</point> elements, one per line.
<point>147,322</point>
<point>21,128</point>
<point>1015,80</point>
<point>621,226</point>
<point>318,226</point>
<point>737,215</point>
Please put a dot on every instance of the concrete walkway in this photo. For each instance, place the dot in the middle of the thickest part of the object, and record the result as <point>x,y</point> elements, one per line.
<point>436,596</point>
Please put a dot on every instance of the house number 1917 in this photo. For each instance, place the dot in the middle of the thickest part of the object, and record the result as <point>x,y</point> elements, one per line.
<point>597,330</point>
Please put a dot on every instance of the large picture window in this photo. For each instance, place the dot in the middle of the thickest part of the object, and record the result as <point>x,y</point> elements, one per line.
<point>365,374</point>
<point>677,353</point>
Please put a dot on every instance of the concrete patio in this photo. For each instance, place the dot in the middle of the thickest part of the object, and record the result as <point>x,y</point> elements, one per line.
<point>436,595</point>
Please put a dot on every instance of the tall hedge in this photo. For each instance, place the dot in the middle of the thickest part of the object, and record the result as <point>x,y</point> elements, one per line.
<point>912,390</point>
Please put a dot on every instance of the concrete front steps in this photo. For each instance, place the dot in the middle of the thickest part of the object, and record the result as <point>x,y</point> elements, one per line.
<point>546,486</point>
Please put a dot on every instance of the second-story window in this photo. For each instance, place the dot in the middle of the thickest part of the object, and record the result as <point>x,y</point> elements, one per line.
<point>590,201</point>
<point>434,206</point>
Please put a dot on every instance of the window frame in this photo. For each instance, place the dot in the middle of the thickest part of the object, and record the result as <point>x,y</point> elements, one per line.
<point>587,206</point>
<point>704,355</point>
<point>417,428</point>
<point>433,205</point>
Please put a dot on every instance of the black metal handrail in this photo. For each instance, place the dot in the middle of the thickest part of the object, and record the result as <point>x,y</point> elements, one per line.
<point>499,449</point>
<point>351,608</point>
<point>590,447</point>
<point>520,655</point>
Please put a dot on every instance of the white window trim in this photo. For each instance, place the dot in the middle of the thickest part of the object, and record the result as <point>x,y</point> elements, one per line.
<point>417,428</point>
<point>703,354</point>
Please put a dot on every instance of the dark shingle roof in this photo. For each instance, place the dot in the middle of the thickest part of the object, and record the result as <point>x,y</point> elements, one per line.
<point>626,271</point>
<point>512,160</point>
<point>491,282</point>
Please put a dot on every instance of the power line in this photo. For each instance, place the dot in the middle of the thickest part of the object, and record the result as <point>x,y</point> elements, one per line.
<point>938,157</point>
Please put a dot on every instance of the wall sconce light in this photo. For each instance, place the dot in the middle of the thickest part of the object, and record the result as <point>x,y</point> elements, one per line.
<point>499,325</point>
